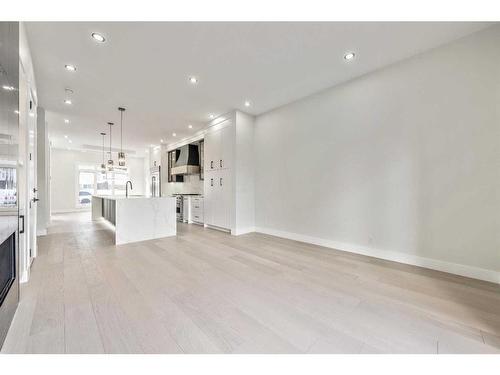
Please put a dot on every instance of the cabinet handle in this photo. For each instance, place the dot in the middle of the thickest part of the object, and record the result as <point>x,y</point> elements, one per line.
<point>220,163</point>
<point>211,164</point>
<point>220,181</point>
<point>211,182</point>
<point>22,218</point>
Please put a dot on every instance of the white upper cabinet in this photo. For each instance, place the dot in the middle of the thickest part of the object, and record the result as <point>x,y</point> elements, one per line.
<point>212,147</point>
<point>219,147</point>
<point>227,144</point>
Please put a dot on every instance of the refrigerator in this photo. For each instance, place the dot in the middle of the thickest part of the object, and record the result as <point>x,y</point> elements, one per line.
<point>155,181</point>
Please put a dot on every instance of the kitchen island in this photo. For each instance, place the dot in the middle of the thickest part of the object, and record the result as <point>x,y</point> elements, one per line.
<point>137,218</point>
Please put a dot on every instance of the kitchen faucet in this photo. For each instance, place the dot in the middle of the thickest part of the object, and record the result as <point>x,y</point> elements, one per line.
<point>126,188</point>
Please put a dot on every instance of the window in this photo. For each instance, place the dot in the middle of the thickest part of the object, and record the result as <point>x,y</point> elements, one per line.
<point>90,180</point>
<point>120,180</point>
<point>103,185</point>
<point>8,197</point>
<point>86,182</point>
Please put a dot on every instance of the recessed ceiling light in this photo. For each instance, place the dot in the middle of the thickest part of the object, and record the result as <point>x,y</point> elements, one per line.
<point>247,103</point>
<point>349,56</point>
<point>211,115</point>
<point>161,140</point>
<point>70,141</point>
<point>174,135</point>
<point>193,80</point>
<point>8,88</point>
<point>98,37</point>
<point>66,121</point>
<point>66,136</point>
<point>71,68</point>
<point>67,101</point>
<point>190,126</point>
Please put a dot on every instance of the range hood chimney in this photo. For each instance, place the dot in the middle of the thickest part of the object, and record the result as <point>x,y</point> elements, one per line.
<point>188,161</point>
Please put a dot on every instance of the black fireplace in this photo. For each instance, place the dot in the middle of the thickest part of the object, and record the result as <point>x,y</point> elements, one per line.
<point>7,266</point>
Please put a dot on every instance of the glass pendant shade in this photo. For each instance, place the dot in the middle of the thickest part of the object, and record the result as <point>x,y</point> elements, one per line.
<point>121,159</point>
<point>103,166</point>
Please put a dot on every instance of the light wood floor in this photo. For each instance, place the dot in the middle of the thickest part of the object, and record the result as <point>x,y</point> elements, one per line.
<point>208,292</point>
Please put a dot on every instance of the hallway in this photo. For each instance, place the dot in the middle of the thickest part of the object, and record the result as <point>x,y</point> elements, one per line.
<point>204,291</point>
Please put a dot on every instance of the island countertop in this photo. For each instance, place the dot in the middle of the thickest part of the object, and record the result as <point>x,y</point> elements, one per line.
<point>137,218</point>
<point>117,197</point>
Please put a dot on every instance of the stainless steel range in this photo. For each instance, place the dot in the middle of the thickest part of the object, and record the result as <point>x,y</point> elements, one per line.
<point>179,207</point>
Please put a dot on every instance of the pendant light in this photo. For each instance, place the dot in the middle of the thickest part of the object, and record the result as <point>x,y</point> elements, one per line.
<point>103,165</point>
<point>110,160</point>
<point>121,154</point>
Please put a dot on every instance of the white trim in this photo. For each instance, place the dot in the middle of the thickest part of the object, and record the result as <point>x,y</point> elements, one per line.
<point>65,211</point>
<point>226,230</point>
<point>433,264</point>
<point>200,134</point>
<point>24,277</point>
<point>240,231</point>
<point>184,141</point>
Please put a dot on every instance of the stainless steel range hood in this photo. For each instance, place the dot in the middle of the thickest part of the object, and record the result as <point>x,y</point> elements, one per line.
<point>188,161</point>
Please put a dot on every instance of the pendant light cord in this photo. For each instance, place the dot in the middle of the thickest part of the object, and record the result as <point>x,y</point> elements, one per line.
<point>121,131</point>
<point>110,154</point>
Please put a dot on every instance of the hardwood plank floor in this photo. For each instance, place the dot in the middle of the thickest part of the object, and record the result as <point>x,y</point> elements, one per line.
<point>205,291</point>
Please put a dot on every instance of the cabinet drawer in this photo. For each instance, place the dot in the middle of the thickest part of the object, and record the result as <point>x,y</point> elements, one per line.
<point>197,216</point>
<point>197,211</point>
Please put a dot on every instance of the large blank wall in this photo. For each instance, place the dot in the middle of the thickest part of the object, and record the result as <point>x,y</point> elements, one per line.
<point>404,160</point>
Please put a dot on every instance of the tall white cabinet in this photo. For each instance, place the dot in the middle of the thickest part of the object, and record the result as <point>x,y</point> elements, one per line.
<point>218,183</point>
<point>229,174</point>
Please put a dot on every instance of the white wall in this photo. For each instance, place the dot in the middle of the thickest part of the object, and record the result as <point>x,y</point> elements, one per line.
<point>63,176</point>
<point>402,163</point>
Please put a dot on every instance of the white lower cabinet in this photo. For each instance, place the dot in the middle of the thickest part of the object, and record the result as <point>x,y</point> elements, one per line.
<point>197,210</point>
<point>217,199</point>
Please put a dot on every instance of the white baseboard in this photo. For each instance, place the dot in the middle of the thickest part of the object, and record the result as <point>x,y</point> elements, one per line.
<point>241,231</point>
<point>70,210</point>
<point>434,264</point>
<point>24,277</point>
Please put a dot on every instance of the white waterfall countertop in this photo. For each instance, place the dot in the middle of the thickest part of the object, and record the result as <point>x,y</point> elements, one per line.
<point>137,218</point>
<point>116,197</point>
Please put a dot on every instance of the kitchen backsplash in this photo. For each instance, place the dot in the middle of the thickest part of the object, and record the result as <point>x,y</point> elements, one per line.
<point>191,185</point>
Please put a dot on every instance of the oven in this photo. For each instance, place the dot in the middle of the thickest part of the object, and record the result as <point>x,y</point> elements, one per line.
<point>179,207</point>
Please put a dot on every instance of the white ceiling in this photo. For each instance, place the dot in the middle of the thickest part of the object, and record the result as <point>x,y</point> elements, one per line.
<point>145,68</point>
